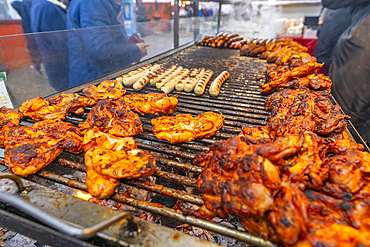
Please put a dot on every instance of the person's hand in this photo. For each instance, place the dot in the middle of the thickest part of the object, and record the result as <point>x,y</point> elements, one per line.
<point>142,47</point>
<point>320,22</point>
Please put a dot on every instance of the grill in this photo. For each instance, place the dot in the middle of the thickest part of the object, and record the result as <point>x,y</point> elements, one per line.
<point>239,101</point>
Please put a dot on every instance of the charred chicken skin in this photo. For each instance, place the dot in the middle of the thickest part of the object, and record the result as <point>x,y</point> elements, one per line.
<point>113,117</point>
<point>151,103</point>
<point>185,127</point>
<point>300,184</point>
<point>95,138</point>
<point>30,148</point>
<point>56,107</point>
<point>121,164</point>
<point>296,111</point>
<point>289,75</point>
<point>9,119</point>
<point>109,158</point>
<point>111,89</point>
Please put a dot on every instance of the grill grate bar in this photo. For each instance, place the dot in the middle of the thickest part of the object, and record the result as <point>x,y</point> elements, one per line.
<point>152,138</point>
<point>238,111</point>
<point>141,183</point>
<point>161,210</point>
<point>239,107</point>
<point>159,189</point>
<point>246,97</point>
<point>162,149</point>
<point>165,175</point>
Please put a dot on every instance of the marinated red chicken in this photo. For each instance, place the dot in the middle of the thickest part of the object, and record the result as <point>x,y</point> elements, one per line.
<point>9,119</point>
<point>114,118</point>
<point>111,89</point>
<point>185,127</point>
<point>28,149</point>
<point>56,107</point>
<point>151,103</point>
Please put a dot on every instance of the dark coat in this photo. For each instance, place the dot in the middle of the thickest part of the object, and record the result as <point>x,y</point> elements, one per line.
<point>336,21</point>
<point>24,9</point>
<point>350,68</point>
<point>53,47</point>
<point>102,46</point>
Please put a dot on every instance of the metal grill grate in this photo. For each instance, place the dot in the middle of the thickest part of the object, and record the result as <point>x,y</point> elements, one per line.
<point>239,101</point>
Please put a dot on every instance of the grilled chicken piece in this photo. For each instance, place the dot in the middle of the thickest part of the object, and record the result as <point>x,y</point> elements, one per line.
<point>9,119</point>
<point>313,81</point>
<point>334,235</point>
<point>98,185</point>
<point>350,216</point>
<point>234,180</point>
<point>185,128</point>
<point>306,69</point>
<point>95,138</point>
<point>283,74</point>
<point>255,135</point>
<point>72,102</point>
<point>121,164</point>
<point>289,217</point>
<point>287,75</point>
<point>252,188</point>
<point>30,148</point>
<point>40,109</point>
<point>111,89</point>
<point>151,103</point>
<point>296,111</point>
<point>113,117</point>
<point>56,107</point>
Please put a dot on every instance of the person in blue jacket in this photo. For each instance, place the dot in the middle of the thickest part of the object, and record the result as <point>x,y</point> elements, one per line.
<point>103,45</point>
<point>47,16</point>
<point>24,8</point>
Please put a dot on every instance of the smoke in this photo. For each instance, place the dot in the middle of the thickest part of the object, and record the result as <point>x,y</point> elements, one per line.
<point>251,19</point>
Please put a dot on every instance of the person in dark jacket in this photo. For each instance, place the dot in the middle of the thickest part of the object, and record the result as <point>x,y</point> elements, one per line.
<point>350,68</point>
<point>24,8</point>
<point>47,16</point>
<point>335,22</point>
<point>103,45</point>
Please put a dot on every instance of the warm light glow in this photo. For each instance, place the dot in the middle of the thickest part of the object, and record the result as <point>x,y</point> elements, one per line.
<point>200,7</point>
<point>187,2</point>
<point>183,5</point>
<point>82,195</point>
<point>172,3</point>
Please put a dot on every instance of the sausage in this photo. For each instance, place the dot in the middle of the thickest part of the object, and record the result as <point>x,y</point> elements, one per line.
<point>189,86</point>
<point>214,89</point>
<point>138,85</point>
<point>270,46</point>
<point>128,81</point>
<point>176,72</point>
<point>236,39</point>
<point>277,47</point>
<point>255,52</point>
<point>230,36</point>
<point>265,54</point>
<point>247,48</point>
<point>170,85</point>
<point>157,78</point>
<point>132,73</point>
<point>201,85</point>
<point>180,84</point>
<point>193,72</point>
